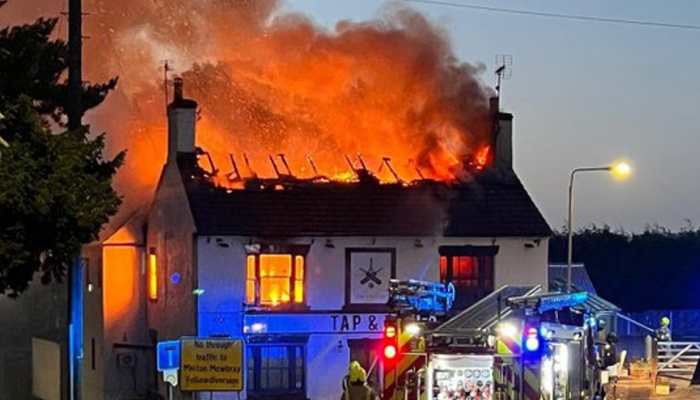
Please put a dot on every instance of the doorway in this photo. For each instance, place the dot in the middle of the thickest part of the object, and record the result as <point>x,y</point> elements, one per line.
<point>366,352</point>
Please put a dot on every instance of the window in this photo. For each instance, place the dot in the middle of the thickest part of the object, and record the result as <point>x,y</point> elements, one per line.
<point>466,271</point>
<point>152,275</point>
<point>470,269</point>
<point>274,279</point>
<point>276,371</point>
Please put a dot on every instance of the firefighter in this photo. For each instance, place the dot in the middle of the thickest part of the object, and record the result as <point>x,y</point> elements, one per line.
<point>610,350</point>
<point>355,384</point>
<point>663,334</point>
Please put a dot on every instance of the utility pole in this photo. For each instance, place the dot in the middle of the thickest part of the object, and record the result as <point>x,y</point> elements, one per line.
<point>75,61</point>
<point>74,110</point>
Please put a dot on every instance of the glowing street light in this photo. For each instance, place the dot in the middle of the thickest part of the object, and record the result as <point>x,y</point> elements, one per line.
<point>619,170</point>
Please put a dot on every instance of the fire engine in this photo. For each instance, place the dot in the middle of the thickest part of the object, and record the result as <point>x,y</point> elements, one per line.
<point>518,343</point>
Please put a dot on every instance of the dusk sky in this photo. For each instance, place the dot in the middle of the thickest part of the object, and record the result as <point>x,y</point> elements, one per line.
<point>585,94</point>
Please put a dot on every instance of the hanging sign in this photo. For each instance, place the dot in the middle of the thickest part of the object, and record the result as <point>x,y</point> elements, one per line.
<point>369,273</point>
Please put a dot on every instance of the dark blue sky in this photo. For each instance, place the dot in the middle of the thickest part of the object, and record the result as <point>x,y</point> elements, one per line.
<point>586,93</point>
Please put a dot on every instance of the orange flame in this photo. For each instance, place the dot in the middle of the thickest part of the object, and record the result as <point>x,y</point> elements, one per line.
<point>272,82</point>
<point>482,157</point>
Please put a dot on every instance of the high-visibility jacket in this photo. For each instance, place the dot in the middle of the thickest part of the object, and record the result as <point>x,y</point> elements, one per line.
<point>358,391</point>
<point>663,334</point>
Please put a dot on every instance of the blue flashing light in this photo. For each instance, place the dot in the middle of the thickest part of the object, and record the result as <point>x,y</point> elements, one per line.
<point>561,301</point>
<point>592,322</point>
<point>176,278</point>
<point>532,343</point>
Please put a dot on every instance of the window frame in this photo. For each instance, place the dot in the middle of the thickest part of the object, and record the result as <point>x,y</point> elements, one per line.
<point>296,253</point>
<point>254,351</point>
<point>484,276</point>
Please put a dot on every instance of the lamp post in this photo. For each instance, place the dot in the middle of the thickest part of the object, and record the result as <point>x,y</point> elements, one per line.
<point>620,170</point>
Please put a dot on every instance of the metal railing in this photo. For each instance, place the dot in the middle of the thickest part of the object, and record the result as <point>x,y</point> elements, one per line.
<point>677,359</point>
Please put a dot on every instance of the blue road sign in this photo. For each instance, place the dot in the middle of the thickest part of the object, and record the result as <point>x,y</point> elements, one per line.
<point>168,355</point>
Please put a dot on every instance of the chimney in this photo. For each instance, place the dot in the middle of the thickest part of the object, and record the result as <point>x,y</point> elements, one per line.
<point>181,123</point>
<point>503,137</point>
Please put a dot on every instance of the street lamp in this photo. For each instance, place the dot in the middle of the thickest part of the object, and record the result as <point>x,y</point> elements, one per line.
<point>619,170</point>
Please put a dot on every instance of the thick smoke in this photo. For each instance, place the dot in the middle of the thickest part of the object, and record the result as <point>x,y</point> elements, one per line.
<point>270,82</point>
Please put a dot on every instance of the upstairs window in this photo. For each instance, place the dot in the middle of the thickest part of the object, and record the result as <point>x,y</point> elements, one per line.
<point>471,271</point>
<point>274,279</point>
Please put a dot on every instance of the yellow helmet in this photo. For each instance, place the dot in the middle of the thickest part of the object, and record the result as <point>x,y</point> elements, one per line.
<point>665,321</point>
<point>357,373</point>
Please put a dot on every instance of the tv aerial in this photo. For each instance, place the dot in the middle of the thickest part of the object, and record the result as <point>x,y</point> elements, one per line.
<point>167,68</point>
<point>504,70</point>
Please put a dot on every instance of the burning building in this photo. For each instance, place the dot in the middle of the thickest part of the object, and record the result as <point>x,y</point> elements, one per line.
<point>297,267</point>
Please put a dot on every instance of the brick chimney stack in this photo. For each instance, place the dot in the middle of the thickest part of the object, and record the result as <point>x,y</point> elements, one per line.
<point>182,116</point>
<point>502,138</point>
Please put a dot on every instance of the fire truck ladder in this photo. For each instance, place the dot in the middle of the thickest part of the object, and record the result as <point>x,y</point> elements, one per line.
<point>485,313</point>
<point>422,298</point>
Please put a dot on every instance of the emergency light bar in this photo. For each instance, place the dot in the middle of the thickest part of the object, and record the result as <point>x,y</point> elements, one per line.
<point>548,302</point>
<point>557,302</point>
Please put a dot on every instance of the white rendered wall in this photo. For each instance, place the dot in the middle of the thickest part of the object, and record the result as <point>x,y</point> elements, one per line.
<point>221,273</point>
<point>221,270</point>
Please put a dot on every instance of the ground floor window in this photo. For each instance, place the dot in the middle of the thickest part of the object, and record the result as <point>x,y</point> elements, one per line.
<point>276,371</point>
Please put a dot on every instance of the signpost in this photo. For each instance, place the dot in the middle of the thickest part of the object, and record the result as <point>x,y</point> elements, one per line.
<point>211,364</point>
<point>168,355</point>
<point>168,362</point>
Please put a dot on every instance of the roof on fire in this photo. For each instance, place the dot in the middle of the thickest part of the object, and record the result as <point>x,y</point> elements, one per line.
<point>485,207</point>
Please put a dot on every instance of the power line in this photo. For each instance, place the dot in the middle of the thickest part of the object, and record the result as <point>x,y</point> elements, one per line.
<point>557,15</point>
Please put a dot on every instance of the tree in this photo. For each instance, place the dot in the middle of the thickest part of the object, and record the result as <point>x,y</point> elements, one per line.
<point>654,269</point>
<point>55,185</point>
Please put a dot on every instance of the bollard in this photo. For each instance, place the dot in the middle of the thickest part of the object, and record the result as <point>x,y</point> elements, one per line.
<point>652,356</point>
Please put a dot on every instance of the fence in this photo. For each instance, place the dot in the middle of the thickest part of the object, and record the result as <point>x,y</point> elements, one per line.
<point>677,359</point>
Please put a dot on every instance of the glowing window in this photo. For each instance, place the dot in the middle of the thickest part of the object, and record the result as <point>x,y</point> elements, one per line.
<point>471,270</point>
<point>274,279</point>
<point>250,292</point>
<point>152,275</point>
<point>298,279</point>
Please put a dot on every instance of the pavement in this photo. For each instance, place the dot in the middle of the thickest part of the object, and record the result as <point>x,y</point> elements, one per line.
<point>689,393</point>
<point>641,390</point>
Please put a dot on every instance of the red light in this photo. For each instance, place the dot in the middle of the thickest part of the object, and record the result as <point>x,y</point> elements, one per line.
<point>390,331</point>
<point>390,352</point>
